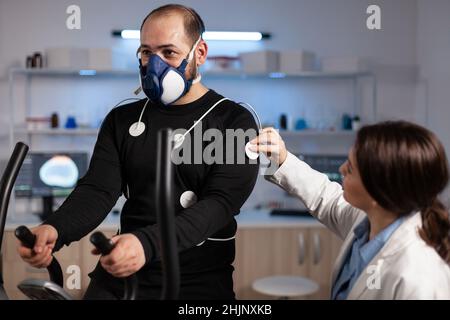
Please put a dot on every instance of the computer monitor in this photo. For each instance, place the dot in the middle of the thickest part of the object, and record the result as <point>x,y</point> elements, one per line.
<point>50,175</point>
<point>327,164</point>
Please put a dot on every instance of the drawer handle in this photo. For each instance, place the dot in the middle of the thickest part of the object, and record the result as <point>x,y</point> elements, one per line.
<point>301,252</point>
<point>317,251</point>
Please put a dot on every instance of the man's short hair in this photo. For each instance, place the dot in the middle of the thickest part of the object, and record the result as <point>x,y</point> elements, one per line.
<point>193,23</point>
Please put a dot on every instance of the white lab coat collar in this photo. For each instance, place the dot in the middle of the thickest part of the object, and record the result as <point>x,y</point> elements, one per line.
<point>398,241</point>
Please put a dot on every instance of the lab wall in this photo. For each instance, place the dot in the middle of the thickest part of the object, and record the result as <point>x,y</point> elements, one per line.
<point>433,52</point>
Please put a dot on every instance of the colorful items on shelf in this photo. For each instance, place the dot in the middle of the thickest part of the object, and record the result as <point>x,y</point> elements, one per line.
<point>71,123</point>
<point>37,123</point>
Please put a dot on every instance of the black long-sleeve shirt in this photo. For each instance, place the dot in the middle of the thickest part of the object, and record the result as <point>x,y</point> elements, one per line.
<point>125,164</point>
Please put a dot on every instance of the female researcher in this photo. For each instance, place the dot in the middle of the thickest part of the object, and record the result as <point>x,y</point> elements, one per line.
<point>395,230</point>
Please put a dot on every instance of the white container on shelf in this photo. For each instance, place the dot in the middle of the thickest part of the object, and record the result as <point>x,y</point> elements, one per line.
<point>260,62</point>
<point>295,62</point>
<point>37,123</point>
<point>100,58</point>
<point>123,59</point>
<point>67,58</point>
<point>344,64</point>
<point>222,64</point>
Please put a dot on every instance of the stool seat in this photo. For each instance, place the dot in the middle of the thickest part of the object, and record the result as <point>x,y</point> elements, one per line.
<point>285,286</point>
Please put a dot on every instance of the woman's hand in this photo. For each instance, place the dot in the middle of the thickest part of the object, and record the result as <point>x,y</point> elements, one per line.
<point>126,258</point>
<point>271,144</point>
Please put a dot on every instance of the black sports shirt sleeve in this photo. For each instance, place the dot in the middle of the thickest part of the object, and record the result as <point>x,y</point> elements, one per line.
<point>95,193</point>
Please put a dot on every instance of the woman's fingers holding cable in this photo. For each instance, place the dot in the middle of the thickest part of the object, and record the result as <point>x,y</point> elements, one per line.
<point>271,144</point>
<point>126,258</point>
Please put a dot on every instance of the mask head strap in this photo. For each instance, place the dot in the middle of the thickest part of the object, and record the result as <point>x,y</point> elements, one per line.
<point>191,56</point>
<point>191,53</point>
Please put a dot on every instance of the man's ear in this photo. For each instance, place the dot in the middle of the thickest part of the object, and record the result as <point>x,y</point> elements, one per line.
<point>201,52</point>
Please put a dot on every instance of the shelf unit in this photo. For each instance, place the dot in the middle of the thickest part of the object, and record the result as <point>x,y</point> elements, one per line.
<point>220,74</point>
<point>280,75</point>
<point>72,72</point>
<point>354,77</point>
<point>227,75</point>
<point>58,132</point>
<point>230,75</point>
<point>28,74</point>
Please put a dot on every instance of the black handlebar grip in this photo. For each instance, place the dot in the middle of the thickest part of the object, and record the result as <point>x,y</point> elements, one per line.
<point>105,246</point>
<point>25,236</point>
<point>102,243</point>
<point>29,240</point>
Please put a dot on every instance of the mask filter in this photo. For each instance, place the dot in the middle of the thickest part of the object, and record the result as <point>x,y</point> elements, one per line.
<point>173,87</point>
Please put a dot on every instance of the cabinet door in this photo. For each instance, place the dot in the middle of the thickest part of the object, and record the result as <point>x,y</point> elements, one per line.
<point>76,263</point>
<point>264,252</point>
<point>324,248</point>
<point>254,248</point>
<point>291,252</point>
<point>70,260</point>
<point>320,260</point>
<point>16,270</point>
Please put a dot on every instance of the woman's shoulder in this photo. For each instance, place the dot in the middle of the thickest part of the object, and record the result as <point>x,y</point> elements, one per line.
<point>416,272</point>
<point>420,265</point>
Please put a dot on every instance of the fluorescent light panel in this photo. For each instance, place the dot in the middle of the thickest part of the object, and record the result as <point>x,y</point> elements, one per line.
<point>130,34</point>
<point>87,72</point>
<point>208,35</point>
<point>232,36</point>
<point>277,75</point>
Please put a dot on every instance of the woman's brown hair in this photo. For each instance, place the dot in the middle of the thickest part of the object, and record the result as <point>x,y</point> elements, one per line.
<point>404,168</point>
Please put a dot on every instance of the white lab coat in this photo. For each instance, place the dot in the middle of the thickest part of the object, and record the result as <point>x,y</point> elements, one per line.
<point>405,268</point>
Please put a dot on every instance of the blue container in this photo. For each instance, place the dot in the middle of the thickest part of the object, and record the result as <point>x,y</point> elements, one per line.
<point>301,124</point>
<point>346,122</point>
<point>71,123</point>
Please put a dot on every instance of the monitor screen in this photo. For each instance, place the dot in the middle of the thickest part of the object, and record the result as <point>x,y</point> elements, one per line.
<point>50,174</point>
<point>328,165</point>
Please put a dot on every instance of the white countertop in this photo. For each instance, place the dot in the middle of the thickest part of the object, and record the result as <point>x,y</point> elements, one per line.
<point>246,219</point>
<point>263,218</point>
<point>110,223</point>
